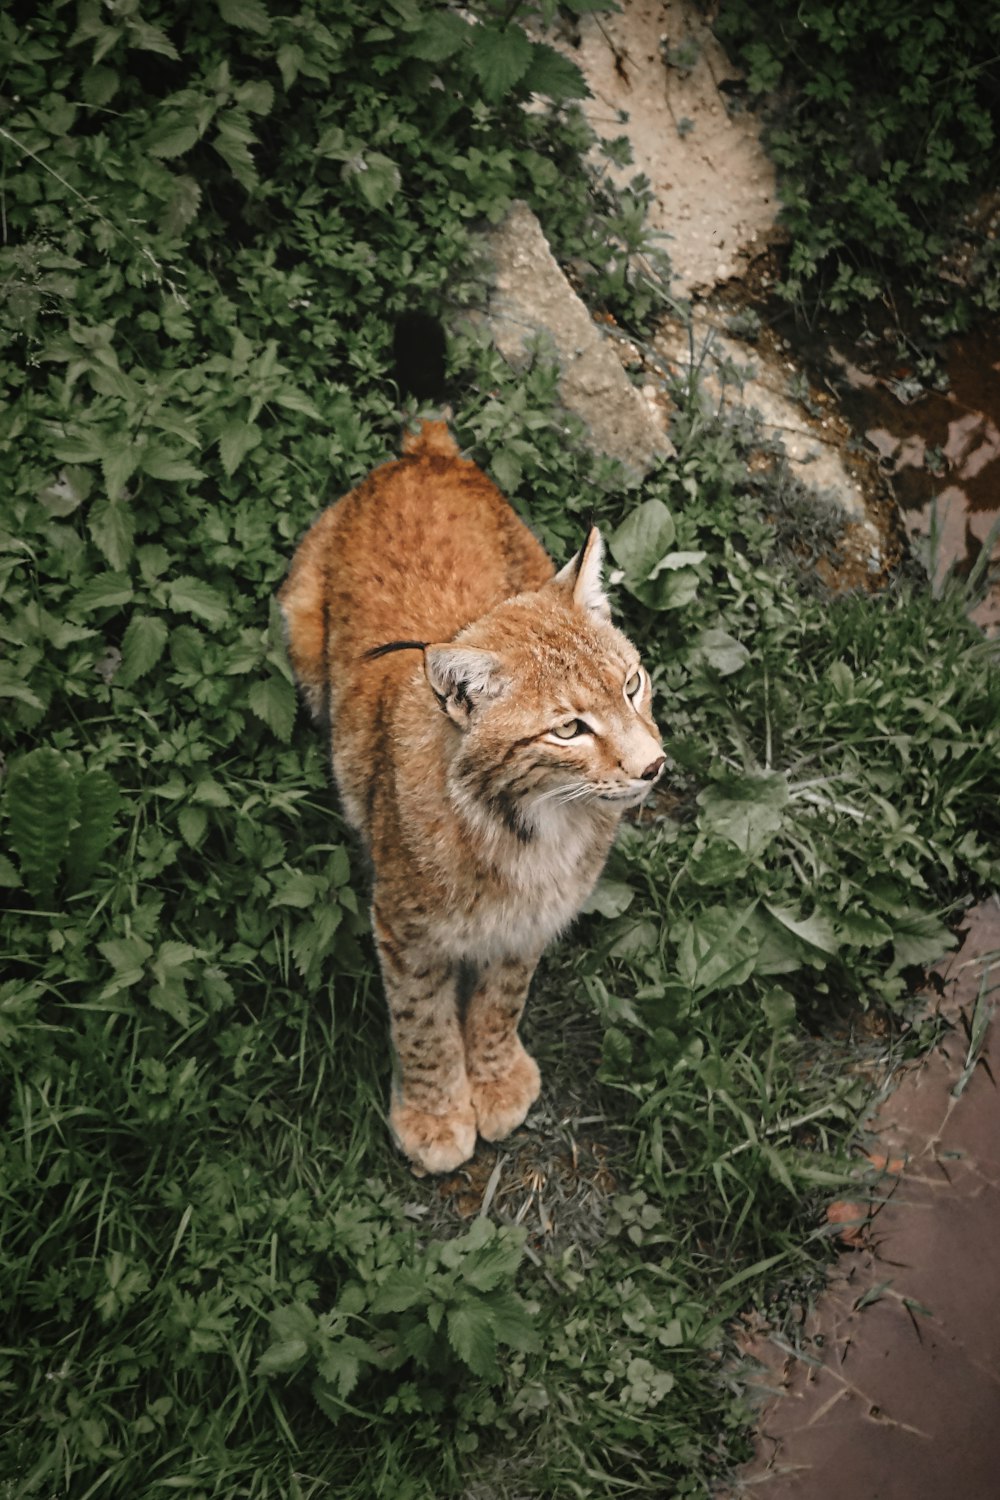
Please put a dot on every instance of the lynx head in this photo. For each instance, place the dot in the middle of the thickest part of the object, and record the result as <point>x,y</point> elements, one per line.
<point>552,705</point>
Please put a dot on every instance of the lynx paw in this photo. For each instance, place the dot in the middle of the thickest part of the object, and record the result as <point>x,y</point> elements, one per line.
<point>501,1104</point>
<point>437,1143</point>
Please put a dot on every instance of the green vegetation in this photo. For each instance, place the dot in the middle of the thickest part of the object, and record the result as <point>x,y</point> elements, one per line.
<point>216,1277</point>
<point>883,124</point>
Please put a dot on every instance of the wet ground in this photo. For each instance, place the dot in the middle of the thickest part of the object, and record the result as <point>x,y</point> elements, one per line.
<point>939,447</point>
<point>890,1389</point>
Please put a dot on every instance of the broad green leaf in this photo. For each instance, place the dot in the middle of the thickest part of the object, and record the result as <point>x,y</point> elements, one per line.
<point>172,137</point>
<point>161,463</point>
<point>295,400</point>
<point>816,930</point>
<point>644,537</point>
<point>235,442</point>
<point>191,596</point>
<point>919,938</point>
<point>148,38</point>
<point>555,76</point>
<point>13,686</point>
<point>715,950</point>
<point>112,525</point>
<point>289,58</point>
<point>376,177</point>
<point>192,822</point>
<point>248,15</point>
<point>501,56</point>
<point>41,804</point>
<point>273,700</point>
<point>98,801</point>
<point>778,1007</point>
<point>471,1335</point>
<point>403,1288</point>
<point>296,888</point>
<point>142,647</point>
<point>182,207</point>
<point>279,1359</point>
<point>721,651</point>
<point>746,810</point>
<point>103,591</point>
<point>119,461</point>
<point>609,897</point>
<point>443,35</point>
<point>512,1324</point>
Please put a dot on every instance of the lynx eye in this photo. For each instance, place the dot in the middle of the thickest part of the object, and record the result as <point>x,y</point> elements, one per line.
<point>571,729</point>
<point>633,684</point>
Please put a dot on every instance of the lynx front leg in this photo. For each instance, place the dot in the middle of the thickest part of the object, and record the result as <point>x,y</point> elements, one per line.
<point>431,1112</point>
<point>503,1078</point>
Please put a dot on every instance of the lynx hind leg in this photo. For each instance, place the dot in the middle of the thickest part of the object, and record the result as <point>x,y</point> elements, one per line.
<point>431,1113</point>
<point>503,1079</point>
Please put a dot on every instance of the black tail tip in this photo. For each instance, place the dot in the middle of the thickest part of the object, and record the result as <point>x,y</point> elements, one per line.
<point>419,351</point>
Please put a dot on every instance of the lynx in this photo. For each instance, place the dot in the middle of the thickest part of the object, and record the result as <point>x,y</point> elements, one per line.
<point>489,727</point>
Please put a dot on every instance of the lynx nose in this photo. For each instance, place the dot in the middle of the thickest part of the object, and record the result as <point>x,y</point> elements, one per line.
<point>653,769</point>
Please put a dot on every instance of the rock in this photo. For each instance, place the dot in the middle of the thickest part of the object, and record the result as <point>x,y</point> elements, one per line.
<point>529,297</point>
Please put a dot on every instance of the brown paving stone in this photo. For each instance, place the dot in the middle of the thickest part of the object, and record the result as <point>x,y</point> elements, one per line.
<point>899,1399</point>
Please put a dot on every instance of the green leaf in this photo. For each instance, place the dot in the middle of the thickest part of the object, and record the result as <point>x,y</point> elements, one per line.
<point>148,38</point>
<point>191,596</point>
<point>644,537</point>
<point>443,36</point>
<point>235,442</point>
<point>182,207</point>
<point>720,651</point>
<point>103,591</point>
<point>471,1335</point>
<point>816,930</point>
<point>13,686</point>
<point>747,810</point>
<point>609,897</point>
<point>193,823</point>
<point>555,76</point>
<point>41,803</point>
<point>273,700</point>
<point>403,1288</point>
<point>171,137</point>
<point>98,801</point>
<point>248,15</point>
<point>112,526</point>
<point>279,1359</point>
<point>376,177</point>
<point>142,647</point>
<point>715,951</point>
<point>161,463</point>
<point>119,461</point>
<point>778,1007</point>
<point>500,57</point>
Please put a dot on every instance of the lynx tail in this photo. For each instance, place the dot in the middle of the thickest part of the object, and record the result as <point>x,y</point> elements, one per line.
<point>432,441</point>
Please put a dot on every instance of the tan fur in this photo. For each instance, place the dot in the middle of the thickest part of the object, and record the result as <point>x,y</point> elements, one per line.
<point>486,832</point>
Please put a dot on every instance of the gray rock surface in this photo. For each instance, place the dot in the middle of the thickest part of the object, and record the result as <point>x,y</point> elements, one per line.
<point>530,296</point>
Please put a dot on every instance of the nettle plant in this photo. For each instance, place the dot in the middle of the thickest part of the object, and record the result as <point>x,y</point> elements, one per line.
<point>883,123</point>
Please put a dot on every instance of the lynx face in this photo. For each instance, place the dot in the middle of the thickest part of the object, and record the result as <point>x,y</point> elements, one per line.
<point>553,706</point>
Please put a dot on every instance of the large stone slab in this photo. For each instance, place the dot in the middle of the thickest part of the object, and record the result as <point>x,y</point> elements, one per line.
<point>530,296</point>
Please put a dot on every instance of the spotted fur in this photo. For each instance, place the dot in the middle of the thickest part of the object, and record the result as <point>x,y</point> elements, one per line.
<point>487,828</point>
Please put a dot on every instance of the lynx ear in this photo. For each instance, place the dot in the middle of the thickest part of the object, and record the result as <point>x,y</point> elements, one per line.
<point>461,676</point>
<point>581,577</point>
